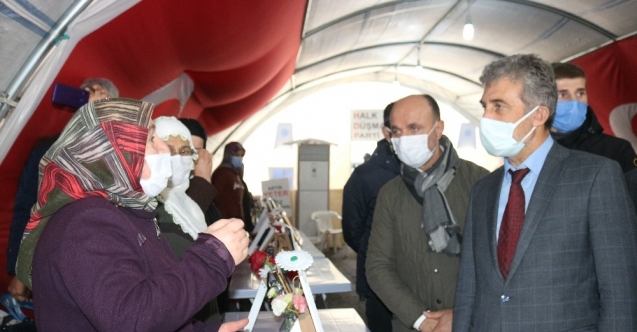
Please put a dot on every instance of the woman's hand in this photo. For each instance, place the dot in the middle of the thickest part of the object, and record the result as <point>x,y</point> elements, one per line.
<point>233,236</point>
<point>203,165</point>
<point>234,326</point>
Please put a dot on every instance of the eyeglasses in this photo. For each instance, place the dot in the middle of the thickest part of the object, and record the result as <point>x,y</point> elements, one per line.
<point>184,152</point>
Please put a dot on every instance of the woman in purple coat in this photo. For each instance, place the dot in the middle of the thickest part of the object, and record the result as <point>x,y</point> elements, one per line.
<point>92,250</point>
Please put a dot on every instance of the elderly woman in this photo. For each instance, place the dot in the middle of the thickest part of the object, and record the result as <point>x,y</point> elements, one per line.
<point>180,218</point>
<point>97,259</point>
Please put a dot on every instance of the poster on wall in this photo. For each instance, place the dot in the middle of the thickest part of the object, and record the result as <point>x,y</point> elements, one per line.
<point>367,125</point>
<point>278,190</point>
<point>282,173</point>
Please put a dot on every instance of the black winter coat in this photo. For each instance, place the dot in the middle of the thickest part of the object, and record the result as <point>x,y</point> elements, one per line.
<point>589,137</point>
<point>359,201</point>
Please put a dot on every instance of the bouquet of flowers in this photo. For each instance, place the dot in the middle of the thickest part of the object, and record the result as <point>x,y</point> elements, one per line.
<point>285,292</point>
<point>288,303</point>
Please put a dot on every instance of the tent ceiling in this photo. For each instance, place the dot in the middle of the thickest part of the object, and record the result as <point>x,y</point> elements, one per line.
<point>242,54</point>
<point>338,37</point>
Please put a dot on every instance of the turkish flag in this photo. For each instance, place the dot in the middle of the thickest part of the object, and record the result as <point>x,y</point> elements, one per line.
<point>611,78</point>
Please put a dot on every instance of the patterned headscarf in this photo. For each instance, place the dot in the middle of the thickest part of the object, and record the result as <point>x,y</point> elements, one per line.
<point>100,153</point>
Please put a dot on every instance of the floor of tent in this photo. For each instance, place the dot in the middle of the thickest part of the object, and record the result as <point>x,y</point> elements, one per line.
<point>345,261</point>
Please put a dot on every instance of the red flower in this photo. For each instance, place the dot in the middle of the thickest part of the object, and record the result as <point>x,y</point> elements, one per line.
<point>257,260</point>
<point>291,274</point>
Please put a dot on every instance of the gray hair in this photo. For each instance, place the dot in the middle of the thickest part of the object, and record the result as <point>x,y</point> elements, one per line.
<point>536,76</point>
<point>104,83</point>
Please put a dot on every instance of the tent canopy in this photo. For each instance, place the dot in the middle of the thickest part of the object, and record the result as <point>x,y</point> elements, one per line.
<point>228,59</point>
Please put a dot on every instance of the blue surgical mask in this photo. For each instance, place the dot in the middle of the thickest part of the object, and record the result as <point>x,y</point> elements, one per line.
<point>497,136</point>
<point>569,115</point>
<point>236,161</point>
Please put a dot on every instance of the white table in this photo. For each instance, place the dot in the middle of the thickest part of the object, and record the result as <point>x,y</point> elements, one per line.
<point>333,320</point>
<point>323,277</point>
<point>310,247</point>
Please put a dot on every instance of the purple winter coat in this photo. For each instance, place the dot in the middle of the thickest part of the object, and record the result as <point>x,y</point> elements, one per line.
<point>100,267</point>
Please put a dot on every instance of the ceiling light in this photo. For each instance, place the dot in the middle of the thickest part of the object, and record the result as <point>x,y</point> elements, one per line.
<point>467,31</point>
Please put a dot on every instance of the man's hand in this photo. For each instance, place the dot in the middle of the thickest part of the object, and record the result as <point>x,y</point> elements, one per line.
<point>18,290</point>
<point>203,165</point>
<point>444,318</point>
<point>234,326</point>
<point>428,325</point>
<point>233,236</point>
<point>96,92</point>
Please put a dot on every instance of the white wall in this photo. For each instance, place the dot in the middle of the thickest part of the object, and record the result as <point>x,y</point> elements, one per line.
<point>326,115</point>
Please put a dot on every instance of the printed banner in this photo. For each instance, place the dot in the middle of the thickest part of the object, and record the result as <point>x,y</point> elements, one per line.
<point>467,137</point>
<point>367,125</point>
<point>279,191</point>
<point>283,134</point>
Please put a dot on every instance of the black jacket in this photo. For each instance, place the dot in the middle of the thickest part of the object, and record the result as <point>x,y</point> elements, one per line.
<point>589,137</point>
<point>359,200</point>
<point>25,198</point>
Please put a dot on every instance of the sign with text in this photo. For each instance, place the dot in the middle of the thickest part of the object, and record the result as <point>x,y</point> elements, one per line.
<point>367,125</point>
<point>278,190</point>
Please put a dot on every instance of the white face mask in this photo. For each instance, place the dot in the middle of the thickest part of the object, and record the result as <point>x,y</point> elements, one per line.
<point>160,171</point>
<point>413,150</point>
<point>497,136</point>
<point>181,167</point>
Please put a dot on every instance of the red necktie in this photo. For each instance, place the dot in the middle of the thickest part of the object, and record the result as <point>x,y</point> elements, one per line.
<point>512,221</point>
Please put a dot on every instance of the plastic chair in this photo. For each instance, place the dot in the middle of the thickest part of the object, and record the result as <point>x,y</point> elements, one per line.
<point>323,221</point>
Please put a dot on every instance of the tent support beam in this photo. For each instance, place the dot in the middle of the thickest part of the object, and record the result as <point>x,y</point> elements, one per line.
<point>569,16</point>
<point>44,46</point>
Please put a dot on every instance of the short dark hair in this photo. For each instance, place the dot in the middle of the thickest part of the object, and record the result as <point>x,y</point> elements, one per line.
<point>567,70</point>
<point>387,115</point>
<point>195,128</point>
<point>434,106</point>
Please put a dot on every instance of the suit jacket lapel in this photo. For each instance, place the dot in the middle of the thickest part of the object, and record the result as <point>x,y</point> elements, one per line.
<point>540,198</point>
<point>491,200</point>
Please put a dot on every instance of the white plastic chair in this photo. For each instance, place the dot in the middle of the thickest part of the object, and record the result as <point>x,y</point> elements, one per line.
<point>323,221</point>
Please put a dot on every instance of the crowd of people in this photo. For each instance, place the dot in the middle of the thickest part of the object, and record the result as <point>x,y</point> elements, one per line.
<point>121,224</point>
<point>547,242</point>
<point>115,226</point>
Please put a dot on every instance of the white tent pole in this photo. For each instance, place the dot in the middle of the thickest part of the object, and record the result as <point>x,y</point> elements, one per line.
<point>43,47</point>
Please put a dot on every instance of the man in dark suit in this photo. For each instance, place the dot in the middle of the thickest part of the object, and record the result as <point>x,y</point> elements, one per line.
<point>550,237</point>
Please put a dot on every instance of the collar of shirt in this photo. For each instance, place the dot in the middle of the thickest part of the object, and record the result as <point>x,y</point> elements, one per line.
<point>534,162</point>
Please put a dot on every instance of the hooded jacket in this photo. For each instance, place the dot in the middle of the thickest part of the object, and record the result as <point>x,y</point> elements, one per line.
<point>359,201</point>
<point>589,137</point>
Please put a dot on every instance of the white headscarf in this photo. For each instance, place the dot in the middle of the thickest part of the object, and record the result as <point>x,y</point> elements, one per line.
<point>185,212</point>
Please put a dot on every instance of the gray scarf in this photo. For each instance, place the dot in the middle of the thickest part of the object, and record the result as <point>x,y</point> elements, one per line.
<point>440,226</point>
